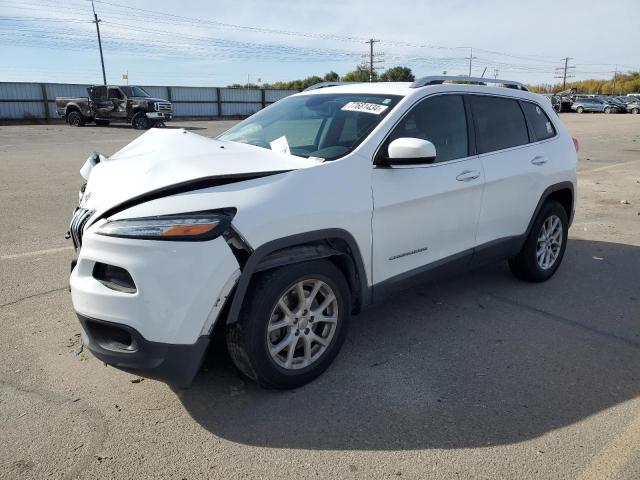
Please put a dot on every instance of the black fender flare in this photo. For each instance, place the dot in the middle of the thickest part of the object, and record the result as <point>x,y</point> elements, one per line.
<point>298,248</point>
<point>543,198</point>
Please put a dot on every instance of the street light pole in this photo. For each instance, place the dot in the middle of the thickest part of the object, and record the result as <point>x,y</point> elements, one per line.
<point>97,22</point>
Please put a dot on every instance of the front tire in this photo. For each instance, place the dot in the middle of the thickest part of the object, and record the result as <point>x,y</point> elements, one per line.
<point>75,119</point>
<point>292,324</point>
<point>635,111</point>
<point>140,121</point>
<point>580,110</point>
<point>544,248</point>
<point>607,110</point>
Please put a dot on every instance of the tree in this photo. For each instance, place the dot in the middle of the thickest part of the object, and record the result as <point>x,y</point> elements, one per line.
<point>331,77</point>
<point>397,74</point>
<point>622,84</point>
<point>360,74</point>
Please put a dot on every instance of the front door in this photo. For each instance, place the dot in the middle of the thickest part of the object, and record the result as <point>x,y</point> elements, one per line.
<point>427,215</point>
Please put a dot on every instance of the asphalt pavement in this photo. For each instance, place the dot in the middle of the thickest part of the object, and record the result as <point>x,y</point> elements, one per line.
<point>476,376</point>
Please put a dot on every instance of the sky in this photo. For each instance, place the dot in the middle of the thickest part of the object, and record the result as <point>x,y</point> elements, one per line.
<point>218,43</point>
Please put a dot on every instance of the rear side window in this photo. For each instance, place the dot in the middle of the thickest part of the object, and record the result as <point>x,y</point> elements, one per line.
<point>538,121</point>
<point>100,93</point>
<point>442,121</point>
<point>500,123</point>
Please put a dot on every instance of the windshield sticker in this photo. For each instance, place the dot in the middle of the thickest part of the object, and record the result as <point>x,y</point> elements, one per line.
<point>374,108</point>
<point>280,145</point>
<point>549,128</point>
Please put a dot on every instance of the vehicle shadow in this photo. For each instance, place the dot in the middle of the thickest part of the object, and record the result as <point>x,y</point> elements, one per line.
<point>472,361</point>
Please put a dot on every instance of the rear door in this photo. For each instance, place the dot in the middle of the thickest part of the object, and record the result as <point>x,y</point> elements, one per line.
<point>514,169</point>
<point>102,106</point>
<point>119,101</point>
<point>424,214</point>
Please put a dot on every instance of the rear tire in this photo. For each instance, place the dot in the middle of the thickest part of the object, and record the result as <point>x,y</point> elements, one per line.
<point>544,248</point>
<point>607,110</point>
<point>140,121</point>
<point>282,341</point>
<point>580,110</point>
<point>75,119</point>
<point>635,111</point>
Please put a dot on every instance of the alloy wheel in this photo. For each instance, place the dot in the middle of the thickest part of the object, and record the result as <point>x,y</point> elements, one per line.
<point>549,242</point>
<point>302,324</point>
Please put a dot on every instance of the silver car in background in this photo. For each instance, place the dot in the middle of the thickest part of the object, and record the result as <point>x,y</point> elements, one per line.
<point>582,104</point>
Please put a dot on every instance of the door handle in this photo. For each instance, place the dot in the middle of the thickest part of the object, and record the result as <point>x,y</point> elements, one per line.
<point>468,175</point>
<point>539,160</point>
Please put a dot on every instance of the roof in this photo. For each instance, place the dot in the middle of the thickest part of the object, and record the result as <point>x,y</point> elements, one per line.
<point>405,89</point>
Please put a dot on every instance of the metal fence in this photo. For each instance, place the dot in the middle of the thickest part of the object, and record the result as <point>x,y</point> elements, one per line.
<point>37,100</point>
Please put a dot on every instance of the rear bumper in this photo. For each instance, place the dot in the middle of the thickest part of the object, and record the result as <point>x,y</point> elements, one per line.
<point>125,348</point>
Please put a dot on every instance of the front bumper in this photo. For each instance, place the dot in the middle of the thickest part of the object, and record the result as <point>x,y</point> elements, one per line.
<point>179,292</point>
<point>125,348</point>
<point>158,115</point>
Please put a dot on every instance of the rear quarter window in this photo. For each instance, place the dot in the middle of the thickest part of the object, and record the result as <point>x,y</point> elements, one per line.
<point>499,122</point>
<point>538,121</point>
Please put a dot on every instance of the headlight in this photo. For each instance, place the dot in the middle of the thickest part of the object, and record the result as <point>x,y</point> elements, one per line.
<point>194,227</point>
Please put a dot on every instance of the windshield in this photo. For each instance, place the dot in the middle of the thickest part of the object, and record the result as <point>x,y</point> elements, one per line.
<point>134,92</point>
<point>326,126</point>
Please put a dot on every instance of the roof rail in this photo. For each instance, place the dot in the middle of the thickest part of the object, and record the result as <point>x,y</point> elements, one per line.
<point>440,79</point>
<point>315,86</point>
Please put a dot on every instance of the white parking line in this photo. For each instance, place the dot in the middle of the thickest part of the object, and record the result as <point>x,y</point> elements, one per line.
<point>607,167</point>
<point>35,253</point>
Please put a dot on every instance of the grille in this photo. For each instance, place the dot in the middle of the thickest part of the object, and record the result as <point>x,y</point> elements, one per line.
<point>78,221</point>
<point>163,107</point>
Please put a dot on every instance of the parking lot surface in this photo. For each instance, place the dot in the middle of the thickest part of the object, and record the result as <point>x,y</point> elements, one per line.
<point>478,376</point>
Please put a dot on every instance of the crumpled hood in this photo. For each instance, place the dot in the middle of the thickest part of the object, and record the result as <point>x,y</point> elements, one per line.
<point>165,158</point>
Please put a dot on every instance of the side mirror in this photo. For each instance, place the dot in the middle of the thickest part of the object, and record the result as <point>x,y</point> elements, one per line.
<point>407,151</point>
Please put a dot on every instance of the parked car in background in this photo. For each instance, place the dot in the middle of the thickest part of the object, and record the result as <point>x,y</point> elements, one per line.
<point>585,103</point>
<point>115,103</point>
<point>305,213</point>
<point>632,104</point>
<point>620,106</point>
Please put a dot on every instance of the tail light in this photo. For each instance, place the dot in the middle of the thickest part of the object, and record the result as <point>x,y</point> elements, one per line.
<point>576,144</point>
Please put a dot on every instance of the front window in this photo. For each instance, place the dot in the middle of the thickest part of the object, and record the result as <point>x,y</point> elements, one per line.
<point>326,126</point>
<point>134,92</point>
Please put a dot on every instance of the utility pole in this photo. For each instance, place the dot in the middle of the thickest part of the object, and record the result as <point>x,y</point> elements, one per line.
<point>470,59</point>
<point>97,22</point>
<point>495,72</point>
<point>483,72</point>
<point>615,74</point>
<point>565,72</point>
<point>372,60</point>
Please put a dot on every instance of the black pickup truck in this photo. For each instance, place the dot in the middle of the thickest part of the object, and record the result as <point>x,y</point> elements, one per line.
<point>115,103</point>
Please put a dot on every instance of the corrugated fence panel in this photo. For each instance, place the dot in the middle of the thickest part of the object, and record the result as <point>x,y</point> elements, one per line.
<point>25,110</point>
<point>65,90</point>
<point>275,95</point>
<point>157,92</point>
<point>192,94</point>
<point>20,91</point>
<point>240,95</point>
<point>24,100</point>
<point>195,109</point>
<point>240,109</point>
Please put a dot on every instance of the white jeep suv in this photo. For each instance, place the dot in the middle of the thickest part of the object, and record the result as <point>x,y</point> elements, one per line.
<point>307,212</point>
